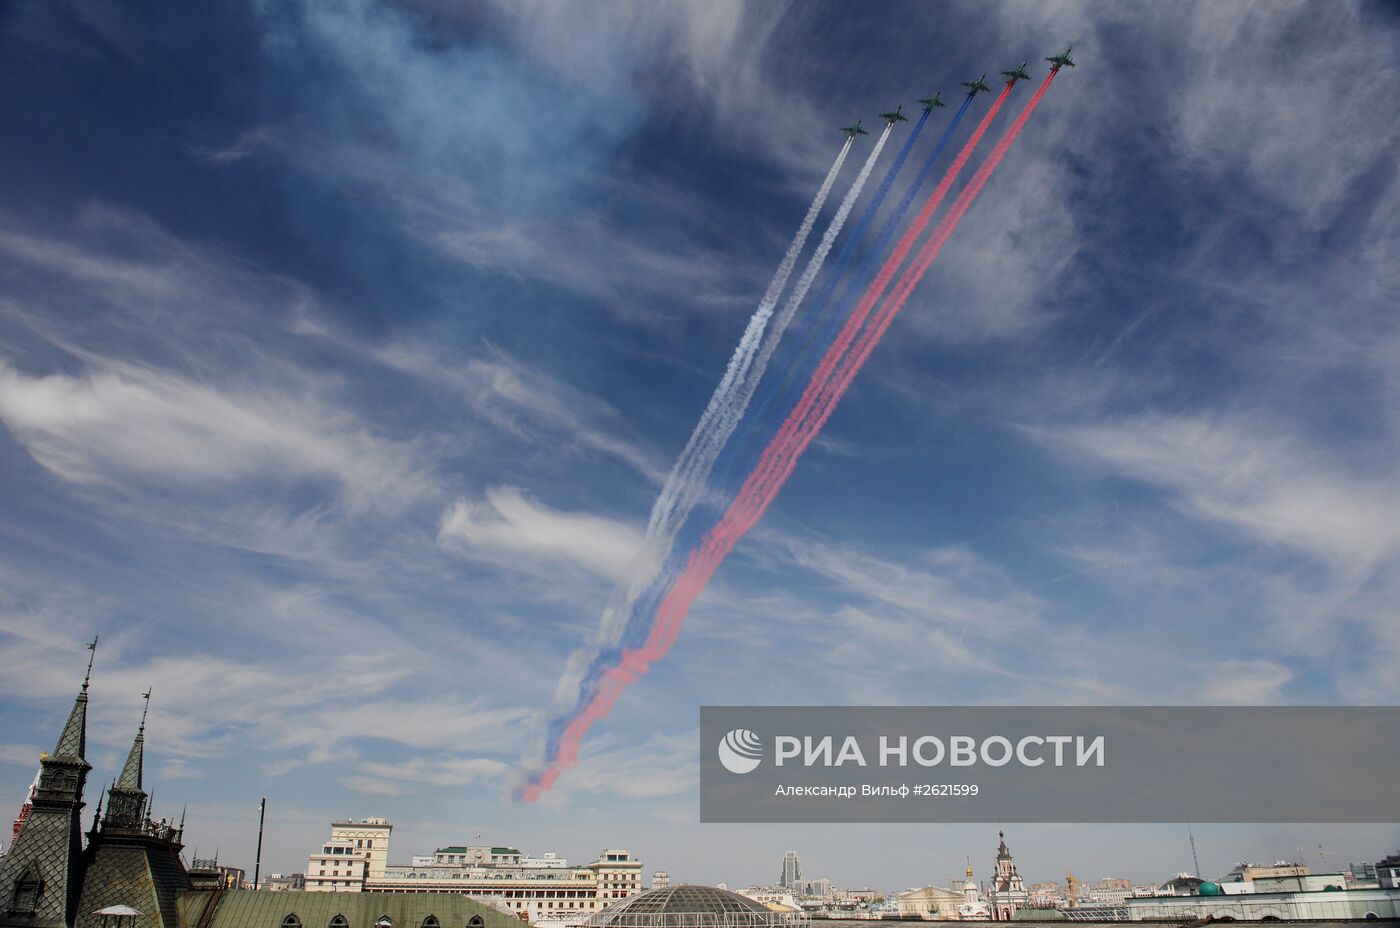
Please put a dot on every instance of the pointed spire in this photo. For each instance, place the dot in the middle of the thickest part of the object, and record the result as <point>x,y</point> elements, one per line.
<point>131,772</point>
<point>72,742</point>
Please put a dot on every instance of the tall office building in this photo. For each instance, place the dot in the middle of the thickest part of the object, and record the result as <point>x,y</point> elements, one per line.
<point>792,872</point>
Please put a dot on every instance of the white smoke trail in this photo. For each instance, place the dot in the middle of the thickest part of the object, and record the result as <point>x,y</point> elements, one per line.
<point>661,527</point>
<point>744,351</point>
<point>735,412</point>
<point>708,439</point>
<point>686,482</point>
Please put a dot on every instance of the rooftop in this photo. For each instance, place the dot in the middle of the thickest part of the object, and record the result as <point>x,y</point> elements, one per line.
<point>687,905</point>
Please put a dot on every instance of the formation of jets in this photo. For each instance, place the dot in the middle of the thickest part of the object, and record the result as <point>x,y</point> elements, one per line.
<point>973,89</point>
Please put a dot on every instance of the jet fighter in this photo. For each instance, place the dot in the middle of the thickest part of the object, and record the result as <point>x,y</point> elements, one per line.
<point>930,102</point>
<point>855,130</point>
<point>975,87</point>
<point>896,116</point>
<point>1060,60</point>
<point>1017,74</point>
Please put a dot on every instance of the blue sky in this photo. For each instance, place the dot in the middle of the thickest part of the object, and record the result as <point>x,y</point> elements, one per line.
<point>344,345</point>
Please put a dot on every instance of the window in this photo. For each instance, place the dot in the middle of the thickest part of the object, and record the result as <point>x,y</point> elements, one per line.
<point>384,922</point>
<point>431,922</point>
<point>28,888</point>
<point>291,921</point>
<point>475,922</point>
<point>339,921</point>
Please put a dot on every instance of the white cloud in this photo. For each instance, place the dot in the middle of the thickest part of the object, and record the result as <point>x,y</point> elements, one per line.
<point>1259,480</point>
<point>508,525</point>
<point>118,422</point>
<point>1244,683</point>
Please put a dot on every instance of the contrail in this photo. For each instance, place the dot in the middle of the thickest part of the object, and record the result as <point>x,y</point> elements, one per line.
<point>691,472</point>
<point>780,457</point>
<point>826,391</point>
<point>660,527</point>
<point>796,373</point>
<point>703,461</point>
<point>748,343</point>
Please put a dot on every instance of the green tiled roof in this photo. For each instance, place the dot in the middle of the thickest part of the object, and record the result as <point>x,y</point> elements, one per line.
<point>267,909</point>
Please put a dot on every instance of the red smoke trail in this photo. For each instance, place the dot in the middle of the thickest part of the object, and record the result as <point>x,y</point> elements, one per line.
<point>819,403</point>
<point>887,271</point>
<point>797,432</point>
<point>780,458</point>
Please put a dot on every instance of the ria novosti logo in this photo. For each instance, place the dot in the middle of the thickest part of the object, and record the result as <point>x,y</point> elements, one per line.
<point>740,751</point>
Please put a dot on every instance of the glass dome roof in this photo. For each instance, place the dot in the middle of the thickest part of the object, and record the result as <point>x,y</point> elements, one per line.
<point>689,906</point>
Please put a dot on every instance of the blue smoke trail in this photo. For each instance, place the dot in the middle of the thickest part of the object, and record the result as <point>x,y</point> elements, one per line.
<point>638,623</point>
<point>727,473</point>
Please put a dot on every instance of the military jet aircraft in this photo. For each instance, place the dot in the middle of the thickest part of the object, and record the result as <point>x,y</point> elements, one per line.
<point>930,102</point>
<point>1017,74</point>
<point>896,116</point>
<point>975,87</point>
<point>855,130</point>
<point>1060,60</point>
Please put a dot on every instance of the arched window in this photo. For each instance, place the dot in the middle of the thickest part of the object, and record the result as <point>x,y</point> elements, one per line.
<point>384,922</point>
<point>338,921</point>
<point>475,922</point>
<point>431,922</point>
<point>291,921</point>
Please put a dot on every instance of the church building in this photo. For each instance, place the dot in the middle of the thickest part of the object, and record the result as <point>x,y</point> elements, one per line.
<point>1007,892</point>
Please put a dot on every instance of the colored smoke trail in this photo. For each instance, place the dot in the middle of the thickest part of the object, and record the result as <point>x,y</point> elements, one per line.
<point>797,373</point>
<point>673,502</point>
<point>748,343</point>
<point>779,459</point>
<point>692,485</point>
<point>660,529</point>
<point>688,479</point>
<point>807,420</point>
<point>727,474</point>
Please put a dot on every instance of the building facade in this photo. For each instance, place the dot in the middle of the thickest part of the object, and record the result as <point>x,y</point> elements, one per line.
<point>1007,891</point>
<point>1371,904</point>
<point>545,888</point>
<point>1388,872</point>
<point>792,873</point>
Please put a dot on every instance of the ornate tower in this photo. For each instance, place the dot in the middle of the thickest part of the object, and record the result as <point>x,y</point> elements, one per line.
<point>132,860</point>
<point>1008,890</point>
<point>126,800</point>
<point>42,876</point>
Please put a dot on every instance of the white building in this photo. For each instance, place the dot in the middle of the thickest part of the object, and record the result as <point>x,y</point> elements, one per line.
<point>1338,904</point>
<point>358,849</point>
<point>929,902</point>
<point>544,888</point>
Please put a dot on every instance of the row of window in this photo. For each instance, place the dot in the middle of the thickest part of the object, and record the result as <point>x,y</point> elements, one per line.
<point>292,920</point>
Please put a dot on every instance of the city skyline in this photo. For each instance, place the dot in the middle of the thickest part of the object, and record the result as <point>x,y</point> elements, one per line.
<point>345,345</point>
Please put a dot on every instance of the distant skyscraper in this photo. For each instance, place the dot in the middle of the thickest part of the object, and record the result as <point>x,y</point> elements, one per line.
<point>792,872</point>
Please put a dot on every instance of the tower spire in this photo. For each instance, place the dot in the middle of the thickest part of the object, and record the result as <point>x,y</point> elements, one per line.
<point>72,741</point>
<point>135,760</point>
<point>92,646</point>
<point>127,800</point>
